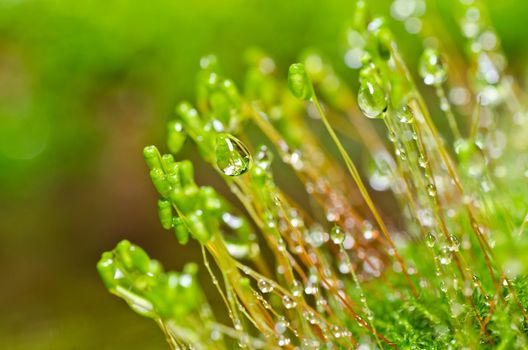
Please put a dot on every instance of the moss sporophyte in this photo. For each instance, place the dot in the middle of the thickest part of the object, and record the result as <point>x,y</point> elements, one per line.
<point>443,268</point>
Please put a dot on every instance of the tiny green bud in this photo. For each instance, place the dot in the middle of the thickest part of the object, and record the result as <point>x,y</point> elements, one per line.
<point>299,82</point>
<point>230,90</point>
<point>190,116</point>
<point>186,173</point>
<point>160,181</point>
<point>168,161</point>
<point>165,213</point>
<point>180,230</point>
<point>211,200</point>
<point>106,268</point>
<point>132,257</point>
<point>152,157</point>
<point>155,268</point>
<point>190,268</point>
<point>384,40</point>
<point>176,136</point>
<point>198,229</point>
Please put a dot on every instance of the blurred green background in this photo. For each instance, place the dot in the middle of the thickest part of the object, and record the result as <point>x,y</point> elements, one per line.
<point>84,85</point>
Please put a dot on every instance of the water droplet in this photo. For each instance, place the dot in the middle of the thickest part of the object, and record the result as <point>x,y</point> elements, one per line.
<point>311,289</point>
<point>288,302</point>
<point>464,149</point>
<point>296,289</point>
<point>281,325</point>
<point>316,236</point>
<point>431,190</point>
<point>284,341</point>
<point>445,256</point>
<point>455,244</point>
<point>310,344</point>
<point>265,286</point>
<point>430,239</point>
<point>456,309</point>
<point>310,316</point>
<point>337,235</point>
<point>264,158</point>
<point>232,157</point>
<point>336,331</point>
<point>400,151</point>
<point>431,68</point>
<point>422,161</point>
<point>476,280</point>
<point>405,114</point>
<point>371,99</point>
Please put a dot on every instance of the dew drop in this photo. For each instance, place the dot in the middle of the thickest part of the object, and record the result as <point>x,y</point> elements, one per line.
<point>455,244</point>
<point>431,190</point>
<point>431,68</point>
<point>281,325</point>
<point>336,331</point>
<point>310,316</point>
<point>430,239</point>
<point>422,161</point>
<point>296,289</point>
<point>232,157</point>
<point>476,280</point>
<point>405,114</point>
<point>337,235</point>
<point>264,158</point>
<point>371,99</point>
<point>284,341</point>
<point>265,286</point>
<point>445,256</point>
<point>288,302</point>
<point>456,309</point>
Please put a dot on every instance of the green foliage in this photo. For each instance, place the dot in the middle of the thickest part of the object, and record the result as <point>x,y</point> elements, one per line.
<point>337,272</point>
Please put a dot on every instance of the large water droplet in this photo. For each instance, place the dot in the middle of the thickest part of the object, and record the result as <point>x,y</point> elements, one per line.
<point>232,157</point>
<point>432,70</point>
<point>372,99</point>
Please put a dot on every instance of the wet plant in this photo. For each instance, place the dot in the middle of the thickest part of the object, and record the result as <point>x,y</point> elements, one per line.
<point>340,271</point>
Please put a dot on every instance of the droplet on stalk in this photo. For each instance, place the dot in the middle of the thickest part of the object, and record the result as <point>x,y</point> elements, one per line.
<point>430,239</point>
<point>265,286</point>
<point>288,302</point>
<point>371,99</point>
<point>432,70</point>
<point>337,235</point>
<point>232,156</point>
<point>405,114</point>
